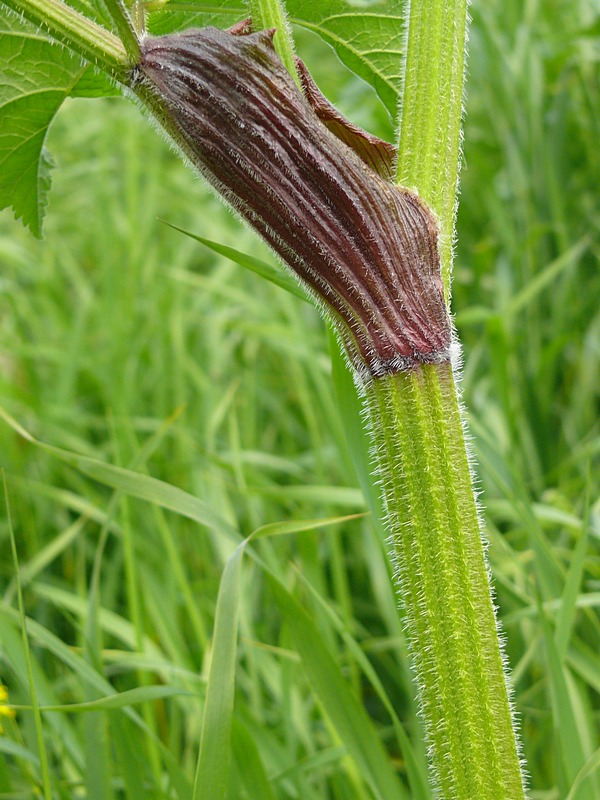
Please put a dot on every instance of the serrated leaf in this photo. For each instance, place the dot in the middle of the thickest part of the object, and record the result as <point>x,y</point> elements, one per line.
<point>36,75</point>
<point>94,83</point>
<point>367,36</point>
<point>367,39</point>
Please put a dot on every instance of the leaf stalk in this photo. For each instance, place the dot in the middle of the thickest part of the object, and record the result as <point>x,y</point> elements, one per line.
<point>431,104</point>
<point>125,27</point>
<point>82,35</point>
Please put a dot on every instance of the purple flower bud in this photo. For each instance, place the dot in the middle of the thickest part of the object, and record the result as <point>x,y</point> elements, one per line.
<point>366,248</point>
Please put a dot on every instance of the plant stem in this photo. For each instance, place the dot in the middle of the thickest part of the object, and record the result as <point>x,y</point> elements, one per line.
<point>415,423</point>
<point>271,14</point>
<point>421,454</point>
<point>431,110</point>
<point>124,25</point>
<point>78,33</point>
<point>443,581</point>
<point>414,416</point>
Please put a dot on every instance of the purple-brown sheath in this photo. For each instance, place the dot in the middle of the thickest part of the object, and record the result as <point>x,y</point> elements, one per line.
<point>309,183</point>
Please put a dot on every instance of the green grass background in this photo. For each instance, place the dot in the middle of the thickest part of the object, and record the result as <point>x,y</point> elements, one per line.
<point>130,344</point>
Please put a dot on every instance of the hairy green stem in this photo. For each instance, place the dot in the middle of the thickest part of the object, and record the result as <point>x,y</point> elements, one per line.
<point>82,35</point>
<point>124,25</point>
<point>431,108</point>
<point>435,531</point>
<point>416,427</point>
<point>271,14</point>
<point>443,582</point>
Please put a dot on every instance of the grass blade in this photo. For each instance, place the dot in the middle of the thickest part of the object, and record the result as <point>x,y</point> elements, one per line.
<point>135,484</point>
<point>417,777</point>
<point>247,754</point>
<point>88,677</point>
<point>566,616</point>
<point>591,765</point>
<point>39,730</point>
<point>347,716</point>
<point>567,731</point>
<point>212,770</point>
<point>251,263</point>
<point>142,694</point>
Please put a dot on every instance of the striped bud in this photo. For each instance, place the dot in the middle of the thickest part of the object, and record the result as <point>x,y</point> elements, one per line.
<point>308,183</point>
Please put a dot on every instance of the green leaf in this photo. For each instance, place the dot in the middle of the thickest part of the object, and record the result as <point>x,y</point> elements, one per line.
<point>569,734</point>
<point>247,754</point>
<point>147,488</point>
<point>299,526</point>
<point>215,746</point>
<point>178,15</point>
<point>565,621</point>
<point>11,748</point>
<point>416,774</point>
<point>93,83</point>
<point>9,635</point>
<point>591,765</point>
<point>36,76</point>
<point>367,36</point>
<point>29,661</point>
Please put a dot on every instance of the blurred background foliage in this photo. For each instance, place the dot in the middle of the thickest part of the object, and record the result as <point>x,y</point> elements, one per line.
<point>125,341</point>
